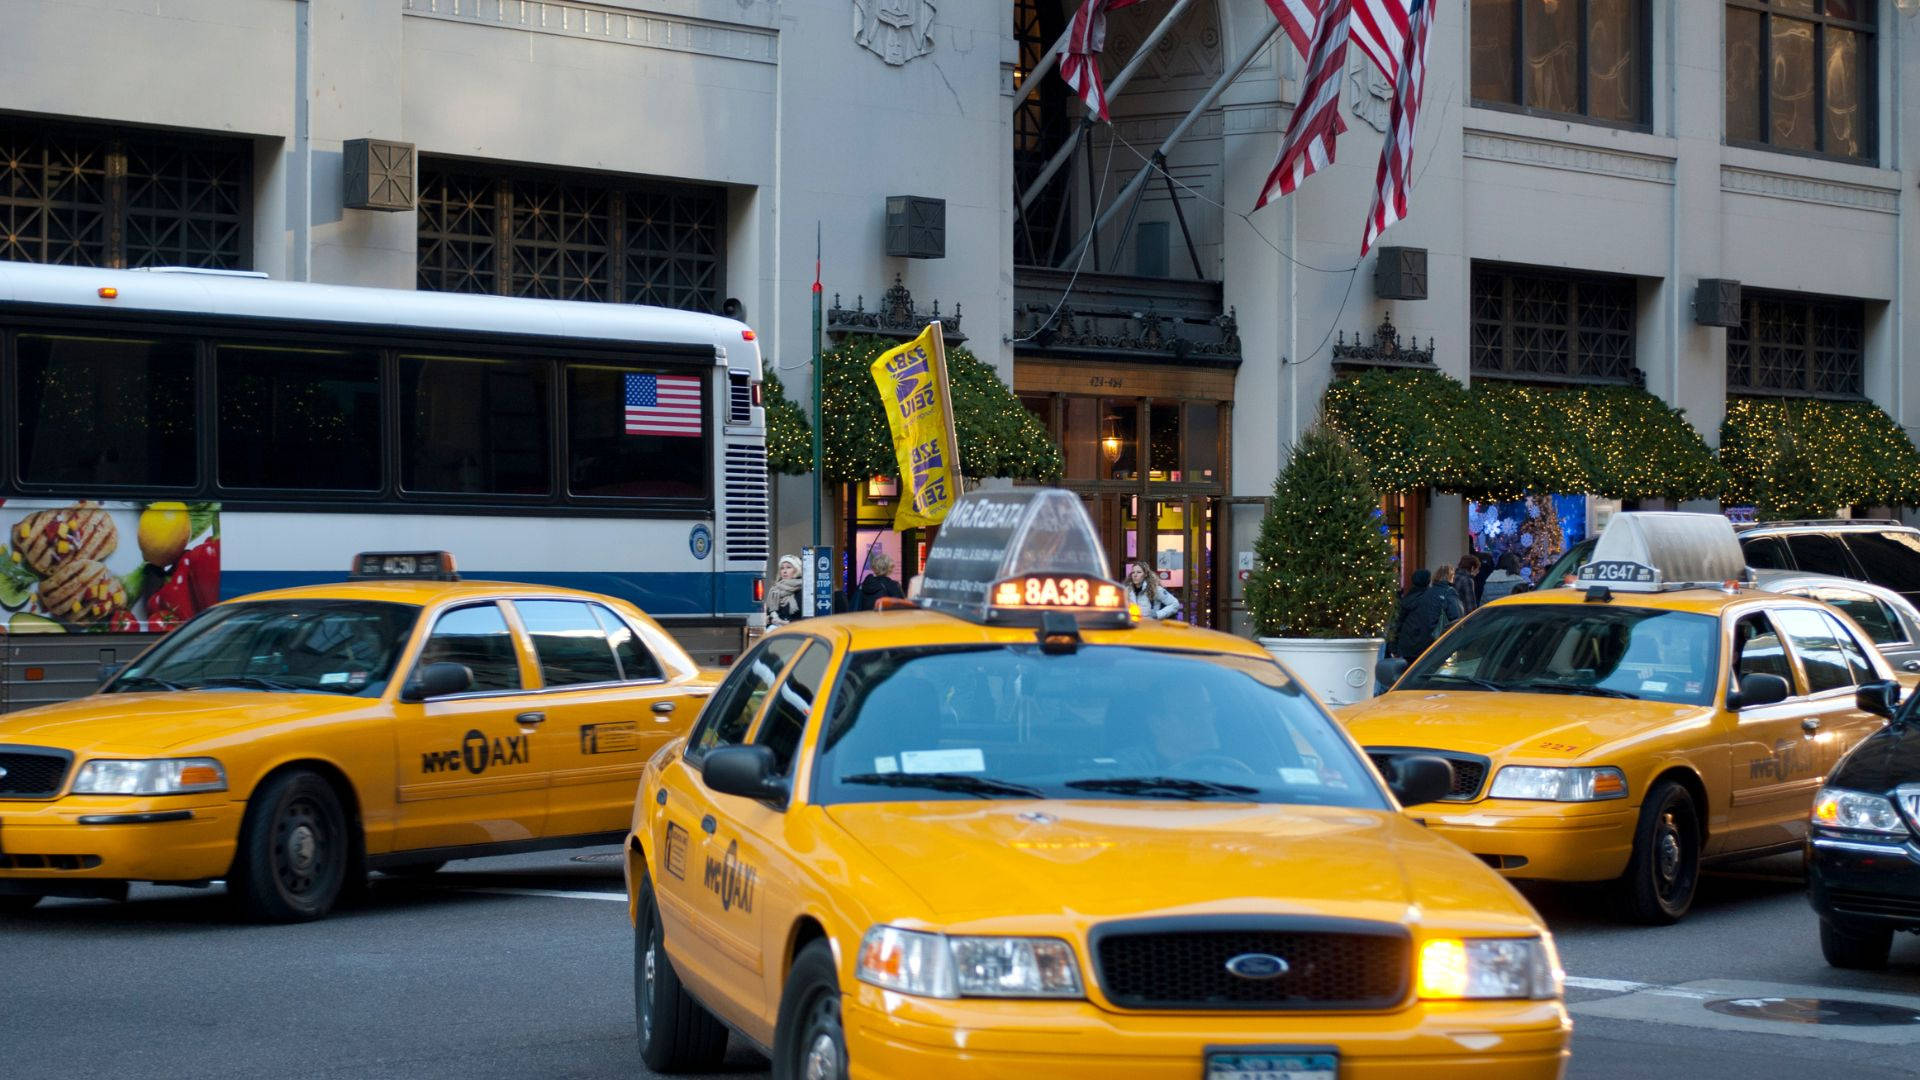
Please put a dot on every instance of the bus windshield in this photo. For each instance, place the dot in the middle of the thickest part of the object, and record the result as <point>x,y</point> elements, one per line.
<point>307,646</point>
<point>1104,722</point>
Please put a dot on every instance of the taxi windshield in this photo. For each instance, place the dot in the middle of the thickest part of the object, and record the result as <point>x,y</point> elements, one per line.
<point>319,646</point>
<point>1102,722</point>
<point>1597,650</point>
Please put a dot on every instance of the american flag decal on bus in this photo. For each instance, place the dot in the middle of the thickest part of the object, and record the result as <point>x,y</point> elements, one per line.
<point>663,405</point>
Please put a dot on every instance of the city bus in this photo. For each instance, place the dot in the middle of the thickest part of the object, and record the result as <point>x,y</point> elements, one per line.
<point>178,437</point>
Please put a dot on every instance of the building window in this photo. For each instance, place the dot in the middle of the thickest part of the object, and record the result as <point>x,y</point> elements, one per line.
<point>1566,57</point>
<point>1801,346</point>
<point>1548,326</point>
<point>96,196</point>
<point>517,233</point>
<point>1800,76</point>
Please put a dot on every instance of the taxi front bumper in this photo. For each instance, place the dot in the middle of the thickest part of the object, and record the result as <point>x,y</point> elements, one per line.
<point>75,845</point>
<point>1539,840</point>
<point>890,1036</point>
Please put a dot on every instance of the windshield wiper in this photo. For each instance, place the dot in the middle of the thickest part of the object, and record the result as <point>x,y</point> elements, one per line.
<point>947,781</point>
<point>260,682</point>
<point>1178,787</point>
<point>1544,686</point>
<point>127,683</point>
<point>1471,680</point>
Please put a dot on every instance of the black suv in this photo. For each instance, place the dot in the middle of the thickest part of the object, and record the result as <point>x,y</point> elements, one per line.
<point>1863,847</point>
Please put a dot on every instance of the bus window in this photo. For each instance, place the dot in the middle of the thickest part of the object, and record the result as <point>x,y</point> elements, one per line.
<point>636,434</point>
<point>106,410</point>
<point>473,426</point>
<point>298,418</point>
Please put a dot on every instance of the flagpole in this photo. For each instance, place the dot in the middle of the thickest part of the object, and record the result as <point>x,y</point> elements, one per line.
<point>818,420</point>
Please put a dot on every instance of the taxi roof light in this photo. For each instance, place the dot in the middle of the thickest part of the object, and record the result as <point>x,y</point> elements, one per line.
<point>1643,551</point>
<point>414,565</point>
<point>1014,557</point>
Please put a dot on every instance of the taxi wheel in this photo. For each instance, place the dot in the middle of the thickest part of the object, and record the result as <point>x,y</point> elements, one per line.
<point>293,851</point>
<point>809,1042</point>
<point>18,903</point>
<point>677,1033</point>
<point>1859,948</point>
<point>1664,873</point>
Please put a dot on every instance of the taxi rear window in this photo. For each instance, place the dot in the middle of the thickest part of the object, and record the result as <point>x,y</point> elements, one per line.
<point>1102,722</point>
<point>1594,650</point>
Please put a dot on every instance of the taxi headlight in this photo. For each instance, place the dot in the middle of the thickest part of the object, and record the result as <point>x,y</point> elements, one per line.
<point>1456,968</point>
<point>157,776</point>
<point>935,965</point>
<point>1838,808</point>
<point>1558,785</point>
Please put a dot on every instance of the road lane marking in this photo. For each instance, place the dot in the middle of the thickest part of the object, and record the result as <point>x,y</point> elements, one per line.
<point>1617,986</point>
<point>559,894</point>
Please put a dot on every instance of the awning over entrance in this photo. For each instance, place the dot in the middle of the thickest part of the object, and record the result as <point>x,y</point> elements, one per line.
<point>1800,457</point>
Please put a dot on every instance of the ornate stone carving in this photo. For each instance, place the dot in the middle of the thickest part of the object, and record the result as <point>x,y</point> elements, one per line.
<point>896,317</point>
<point>894,30</point>
<point>1369,94</point>
<point>1384,351</point>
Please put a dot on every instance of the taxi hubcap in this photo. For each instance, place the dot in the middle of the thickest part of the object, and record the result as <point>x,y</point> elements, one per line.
<point>302,854</point>
<point>1669,852</point>
<point>823,1058</point>
<point>300,848</point>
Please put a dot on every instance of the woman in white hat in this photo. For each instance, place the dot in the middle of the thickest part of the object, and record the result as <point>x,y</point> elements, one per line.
<point>783,599</point>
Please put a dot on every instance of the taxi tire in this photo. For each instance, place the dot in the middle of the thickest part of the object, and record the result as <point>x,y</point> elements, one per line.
<point>809,1013</point>
<point>1860,948</point>
<point>685,1037</point>
<point>292,804</point>
<point>1669,815</point>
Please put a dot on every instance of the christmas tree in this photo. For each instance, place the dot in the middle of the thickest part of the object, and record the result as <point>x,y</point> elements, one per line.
<point>1322,566</point>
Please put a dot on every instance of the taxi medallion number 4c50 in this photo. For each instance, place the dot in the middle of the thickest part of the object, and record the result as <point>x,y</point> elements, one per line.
<point>1658,713</point>
<point>937,840</point>
<point>288,742</point>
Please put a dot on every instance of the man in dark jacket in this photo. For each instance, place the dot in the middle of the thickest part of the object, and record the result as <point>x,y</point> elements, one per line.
<point>1426,610</point>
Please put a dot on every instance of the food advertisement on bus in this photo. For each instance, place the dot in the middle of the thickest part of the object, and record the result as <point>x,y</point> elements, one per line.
<point>121,567</point>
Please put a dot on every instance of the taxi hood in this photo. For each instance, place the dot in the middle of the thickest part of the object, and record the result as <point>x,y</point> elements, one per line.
<point>146,722</point>
<point>1503,725</point>
<point>1101,860</point>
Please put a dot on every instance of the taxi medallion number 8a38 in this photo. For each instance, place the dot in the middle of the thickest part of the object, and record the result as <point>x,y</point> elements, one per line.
<point>936,841</point>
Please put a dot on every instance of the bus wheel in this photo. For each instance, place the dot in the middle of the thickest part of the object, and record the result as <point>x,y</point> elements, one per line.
<point>293,852</point>
<point>809,1042</point>
<point>677,1033</point>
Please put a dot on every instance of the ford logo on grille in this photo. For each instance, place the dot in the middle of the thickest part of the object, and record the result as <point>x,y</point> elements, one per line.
<point>3,772</point>
<point>1255,965</point>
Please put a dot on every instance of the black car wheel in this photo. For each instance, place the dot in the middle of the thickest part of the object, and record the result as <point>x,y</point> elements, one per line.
<point>293,852</point>
<point>1664,872</point>
<point>17,903</point>
<point>1857,948</point>
<point>677,1033</point>
<point>808,1040</point>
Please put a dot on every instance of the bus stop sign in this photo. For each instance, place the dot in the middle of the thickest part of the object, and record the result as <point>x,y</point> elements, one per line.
<point>817,579</point>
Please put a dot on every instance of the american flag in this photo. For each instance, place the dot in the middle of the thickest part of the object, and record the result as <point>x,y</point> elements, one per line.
<point>1381,29</point>
<point>1080,60</point>
<point>1316,124</point>
<point>663,405</point>
<point>1298,18</point>
<point>1394,181</point>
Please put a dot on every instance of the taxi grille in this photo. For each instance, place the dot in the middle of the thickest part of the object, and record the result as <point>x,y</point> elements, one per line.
<point>1331,964</point>
<point>32,773</point>
<point>1469,770</point>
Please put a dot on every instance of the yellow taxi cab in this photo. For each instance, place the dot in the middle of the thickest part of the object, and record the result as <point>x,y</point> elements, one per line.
<point>289,741</point>
<point>1657,713</point>
<point>1008,831</point>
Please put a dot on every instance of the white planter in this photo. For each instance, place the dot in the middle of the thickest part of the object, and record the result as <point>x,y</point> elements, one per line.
<point>1340,670</point>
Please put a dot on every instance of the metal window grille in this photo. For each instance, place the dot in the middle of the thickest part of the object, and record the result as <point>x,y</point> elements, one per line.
<point>514,233</point>
<point>747,526</point>
<point>1553,327</point>
<point>1798,346</point>
<point>96,196</point>
<point>739,398</point>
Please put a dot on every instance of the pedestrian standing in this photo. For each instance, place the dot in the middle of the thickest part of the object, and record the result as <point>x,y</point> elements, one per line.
<point>879,583</point>
<point>1465,583</point>
<point>1426,610</point>
<point>783,597</point>
<point>1503,581</point>
<point>1145,592</point>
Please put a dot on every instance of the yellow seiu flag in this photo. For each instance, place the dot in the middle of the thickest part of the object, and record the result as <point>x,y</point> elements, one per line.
<point>914,391</point>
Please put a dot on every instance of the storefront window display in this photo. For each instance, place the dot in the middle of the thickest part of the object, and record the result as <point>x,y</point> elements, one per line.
<point>1538,528</point>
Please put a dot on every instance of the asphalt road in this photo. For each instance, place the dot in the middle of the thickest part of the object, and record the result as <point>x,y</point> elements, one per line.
<point>521,967</point>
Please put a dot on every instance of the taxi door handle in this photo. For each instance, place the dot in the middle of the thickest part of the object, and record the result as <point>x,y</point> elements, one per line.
<point>1911,665</point>
<point>663,707</point>
<point>1810,725</point>
<point>529,719</point>
<point>707,824</point>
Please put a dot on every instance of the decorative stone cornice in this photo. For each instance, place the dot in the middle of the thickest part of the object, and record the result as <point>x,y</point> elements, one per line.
<point>599,22</point>
<point>1801,189</point>
<point>1566,156</point>
<point>896,317</point>
<point>1385,350</point>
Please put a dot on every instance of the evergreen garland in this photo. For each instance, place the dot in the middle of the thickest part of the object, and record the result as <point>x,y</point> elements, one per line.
<point>1794,458</point>
<point>1419,429</point>
<point>1322,565</point>
<point>789,436</point>
<point>1618,442</point>
<point>997,435</point>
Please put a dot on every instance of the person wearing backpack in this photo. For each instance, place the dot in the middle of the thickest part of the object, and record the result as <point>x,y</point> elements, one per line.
<point>1426,610</point>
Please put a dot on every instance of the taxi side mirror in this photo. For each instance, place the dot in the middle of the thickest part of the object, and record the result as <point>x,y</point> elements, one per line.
<point>438,680</point>
<point>1879,698</point>
<point>1419,778</point>
<point>1388,670</point>
<point>746,771</point>
<point>1758,689</point>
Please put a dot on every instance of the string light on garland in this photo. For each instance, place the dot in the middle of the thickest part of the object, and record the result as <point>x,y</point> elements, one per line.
<point>1322,565</point>
<point>789,436</point>
<point>1813,458</point>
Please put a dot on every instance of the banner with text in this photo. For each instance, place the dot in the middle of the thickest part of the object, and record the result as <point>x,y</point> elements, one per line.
<point>914,391</point>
